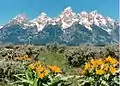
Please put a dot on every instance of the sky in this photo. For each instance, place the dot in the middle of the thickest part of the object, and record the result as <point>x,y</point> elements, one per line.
<point>32,8</point>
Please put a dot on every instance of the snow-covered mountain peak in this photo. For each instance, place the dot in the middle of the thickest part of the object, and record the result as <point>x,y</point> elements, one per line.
<point>68,17</point>
<point>67,12</point>
<point>19,19</point>
<point>65,19</point>
<point>41,21</point>
<point>43,15</point>
<point>83,13</point>
<point>20,16</point>
<point>110,19</point>
<point>1,27</point>
<point>68,9</point>
<point>94,12</point>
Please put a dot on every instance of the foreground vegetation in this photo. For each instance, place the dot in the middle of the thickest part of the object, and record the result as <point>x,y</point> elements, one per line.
<point>54,65</point>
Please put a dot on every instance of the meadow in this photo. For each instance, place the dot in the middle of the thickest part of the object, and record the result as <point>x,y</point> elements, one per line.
<point>59,65</point>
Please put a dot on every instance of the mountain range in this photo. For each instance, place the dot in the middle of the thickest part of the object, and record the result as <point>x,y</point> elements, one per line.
<point>68,28</point>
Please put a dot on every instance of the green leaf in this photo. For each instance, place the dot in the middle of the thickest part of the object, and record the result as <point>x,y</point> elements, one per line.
<point>117,80</point>
<point>55,83</point>
<point>24,80</point>
<point>35,81</point>
<point>27,75</point>
<point>103,82</point>
<point>44,84</point>
<point>106,76</point>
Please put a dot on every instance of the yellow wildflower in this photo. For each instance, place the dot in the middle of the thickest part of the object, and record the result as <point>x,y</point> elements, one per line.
<point>39,69</point>
<point>111,60</point>
<point>87,66</point>
<point>99,62</point>
<point>28,59</point>
<point>31,66</point>
<point>83,72</point>
<point>55,68</point>
<point>37,63</point>
<point>26,56</point>
<point>114,61</point>
<point>41,75</point>
<point>105,67</point>
<point>100,72</point>
<point>93,62</point>
<point>112,70</point>
<point>42,72</point>
<point>46,72</point>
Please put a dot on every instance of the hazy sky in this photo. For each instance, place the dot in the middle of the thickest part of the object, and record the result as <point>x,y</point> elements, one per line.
<point>32,8</point>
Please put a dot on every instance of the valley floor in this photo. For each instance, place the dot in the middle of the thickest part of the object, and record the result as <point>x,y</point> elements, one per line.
<point>70,59</point>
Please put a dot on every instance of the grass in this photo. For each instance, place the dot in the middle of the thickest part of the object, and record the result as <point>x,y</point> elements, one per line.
<point>57,59</point>
<point>52,58</point>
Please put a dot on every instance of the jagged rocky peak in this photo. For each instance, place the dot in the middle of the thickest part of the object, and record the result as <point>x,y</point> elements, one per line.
<point>41,21</point>
<point>20,16</point>
<point>65,19</point>
<point>1,26</point>
<point>68,17</point>
<point>68,9</point>
<point>94,28</point>
<point>19,19</point>
<point>42,15</point>
<point>95,12</point>
<point>83,14</point>
<point>67,13</point>
<point>94,18</point>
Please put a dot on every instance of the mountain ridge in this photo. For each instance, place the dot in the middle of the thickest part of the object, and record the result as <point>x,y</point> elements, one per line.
<point>68,28</point>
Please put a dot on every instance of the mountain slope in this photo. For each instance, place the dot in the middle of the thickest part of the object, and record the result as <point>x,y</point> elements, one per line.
<point>68,28</point>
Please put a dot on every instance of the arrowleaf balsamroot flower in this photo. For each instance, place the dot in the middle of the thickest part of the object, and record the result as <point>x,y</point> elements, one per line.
<point>87,66</point>
<point>31,66</point>
<point>111,60</point>
<point>83,72</point>
<point>46,72</point>
<point>39,69</point>
<point>25,57</point>
<point>41,75</point>
<point>42,70</point>
<point>113,70</point>
<point>105,67</point>
<point>101,66</point>
<point>55,69</point>
<point>100,72</point>
<point>100,62</point>
<point>93,62</point>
